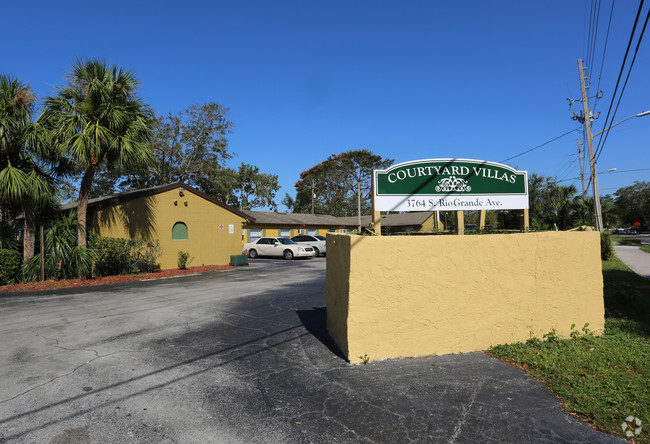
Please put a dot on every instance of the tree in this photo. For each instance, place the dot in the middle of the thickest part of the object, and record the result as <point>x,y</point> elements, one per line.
<point>335,183</point>
<point>583,212</point>
<point>550,203</point>
<point>288,201</point>
<point>633,204</point>
<point>245,188</point>
<point>24,155</point>
<point>190,145</point>
<point>100,121</point>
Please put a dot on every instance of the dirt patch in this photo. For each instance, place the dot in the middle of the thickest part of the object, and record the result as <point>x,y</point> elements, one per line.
<point>68,283</point>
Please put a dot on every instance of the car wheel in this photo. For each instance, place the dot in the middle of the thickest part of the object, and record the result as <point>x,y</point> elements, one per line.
<point>317,251</point>
<point>252,254</point>
<point>288,255</point>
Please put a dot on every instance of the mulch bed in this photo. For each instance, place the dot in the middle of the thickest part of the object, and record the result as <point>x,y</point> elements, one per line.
<point>69,283</point>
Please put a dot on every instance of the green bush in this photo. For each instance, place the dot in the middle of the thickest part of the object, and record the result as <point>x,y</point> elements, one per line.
<point>183,259</point>
<point>64,259</point>
<point>9,266</point>
<point>8,238</point>
<point>606,247</point>
<point>124,256</point>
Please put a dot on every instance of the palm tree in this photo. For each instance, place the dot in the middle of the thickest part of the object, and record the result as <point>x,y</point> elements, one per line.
<point>564,194</point>
<point>23,154</point>
<point>100,121</point>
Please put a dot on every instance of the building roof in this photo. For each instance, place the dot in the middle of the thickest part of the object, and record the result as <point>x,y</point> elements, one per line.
<point>391,220</point>
<point>124,196</point>
<point>302,219</point>
<point>405,219</point>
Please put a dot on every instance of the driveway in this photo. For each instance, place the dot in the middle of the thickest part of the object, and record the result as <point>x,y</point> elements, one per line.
<point>632,256</point>
<point>242,357</point>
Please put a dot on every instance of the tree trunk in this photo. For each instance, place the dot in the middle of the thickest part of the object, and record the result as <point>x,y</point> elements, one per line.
<point>82,206</point>
<point>29,233</point>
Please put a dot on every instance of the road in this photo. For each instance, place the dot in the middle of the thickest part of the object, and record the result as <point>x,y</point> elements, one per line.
<point>242,357</point>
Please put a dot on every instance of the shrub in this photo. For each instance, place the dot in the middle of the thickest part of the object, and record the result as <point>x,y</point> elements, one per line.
<point>8,238</point>
<point>183,259</point>
<point>117,256</point>
<point>64,259</point>
<point>606,248</point>
<point>9,266</point>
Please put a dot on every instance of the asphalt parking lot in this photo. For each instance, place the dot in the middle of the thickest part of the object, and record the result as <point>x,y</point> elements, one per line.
<point>242,357</point>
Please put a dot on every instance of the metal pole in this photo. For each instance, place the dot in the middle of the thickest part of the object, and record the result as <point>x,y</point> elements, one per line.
<point>42,254</point>
<point>376,215</point>
<point>582,170</point>
<point>359,203</point>
<point>590,146</point>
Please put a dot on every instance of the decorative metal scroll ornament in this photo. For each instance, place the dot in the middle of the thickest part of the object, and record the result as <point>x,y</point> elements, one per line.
<point>452,183</point>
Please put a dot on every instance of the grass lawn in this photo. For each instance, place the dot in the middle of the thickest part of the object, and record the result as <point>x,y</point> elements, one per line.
<point>601,379</point>
<point>626,241</point>
<point>646,248</point>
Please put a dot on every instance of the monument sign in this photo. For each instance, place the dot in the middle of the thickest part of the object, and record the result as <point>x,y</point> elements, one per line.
<point>450,185</point>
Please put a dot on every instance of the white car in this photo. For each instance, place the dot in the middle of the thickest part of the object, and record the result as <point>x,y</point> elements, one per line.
<point>312,240</point>
<point>278,247</point>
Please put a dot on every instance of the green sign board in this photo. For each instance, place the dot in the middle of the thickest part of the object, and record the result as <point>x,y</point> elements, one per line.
<point>450,184</point>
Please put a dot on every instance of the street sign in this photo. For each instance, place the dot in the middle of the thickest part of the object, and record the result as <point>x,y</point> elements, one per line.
<point>450,185</point>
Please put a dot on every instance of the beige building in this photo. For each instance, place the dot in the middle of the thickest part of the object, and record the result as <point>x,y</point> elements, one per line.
<point>183,218</point>
<point>420,221</point>
<point>273,224</point>
<point>180,217</point>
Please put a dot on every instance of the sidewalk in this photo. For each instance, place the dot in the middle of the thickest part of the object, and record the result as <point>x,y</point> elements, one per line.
<point>635,258</point>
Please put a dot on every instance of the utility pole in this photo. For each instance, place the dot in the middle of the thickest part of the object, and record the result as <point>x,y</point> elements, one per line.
<point>359,203</point>
<point>585,119</point>
<point>582,169</point>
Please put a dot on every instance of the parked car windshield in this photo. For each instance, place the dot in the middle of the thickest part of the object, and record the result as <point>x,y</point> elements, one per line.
<point>319,237</point>
<point>285,241</point>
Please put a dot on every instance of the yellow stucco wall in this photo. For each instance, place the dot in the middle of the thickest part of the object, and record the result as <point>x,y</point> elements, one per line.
<point>154,216</point>
<point>392,296</point>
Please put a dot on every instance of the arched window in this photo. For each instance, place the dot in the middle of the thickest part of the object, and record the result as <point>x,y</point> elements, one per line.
<point>179,231</point>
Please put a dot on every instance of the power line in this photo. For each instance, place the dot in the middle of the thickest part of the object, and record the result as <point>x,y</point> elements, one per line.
<point>594,35</point>
<point>636,51</point>
<point>608,172</point>
<point>539,146</point>
<point>565,168</point>
<point>636,21</point>
<point>602,60</point>
<point>568,167</point>
<point>569,172</point>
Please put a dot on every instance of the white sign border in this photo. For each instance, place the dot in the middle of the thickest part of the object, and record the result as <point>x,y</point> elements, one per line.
<point>465,202</point>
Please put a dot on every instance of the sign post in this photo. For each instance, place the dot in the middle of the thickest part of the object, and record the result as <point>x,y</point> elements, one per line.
<point>376,215</point>
<point>451,185</point>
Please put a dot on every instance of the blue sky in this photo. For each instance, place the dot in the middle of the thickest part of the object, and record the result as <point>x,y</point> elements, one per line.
<point>408,80</point>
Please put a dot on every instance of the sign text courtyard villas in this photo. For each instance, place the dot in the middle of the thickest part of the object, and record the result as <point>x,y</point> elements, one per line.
<point>450,185</point>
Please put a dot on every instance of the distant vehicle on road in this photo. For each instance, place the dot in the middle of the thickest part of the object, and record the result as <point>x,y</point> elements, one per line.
<point>315,241</point>
<point>278,247</point>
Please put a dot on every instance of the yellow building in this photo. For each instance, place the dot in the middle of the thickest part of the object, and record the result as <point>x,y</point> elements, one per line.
<point>180,217</point>
<point>272,224</point>
<point>417,221</point>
